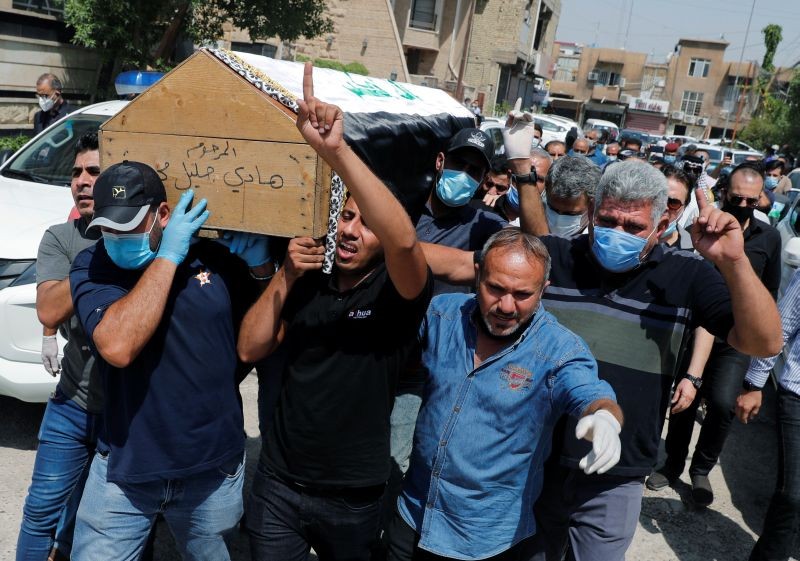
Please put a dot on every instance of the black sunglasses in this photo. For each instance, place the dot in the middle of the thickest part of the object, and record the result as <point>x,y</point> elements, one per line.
<point>736,200</point>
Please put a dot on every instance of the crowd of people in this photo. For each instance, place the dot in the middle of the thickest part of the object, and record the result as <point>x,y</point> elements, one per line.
<point>489,381</point>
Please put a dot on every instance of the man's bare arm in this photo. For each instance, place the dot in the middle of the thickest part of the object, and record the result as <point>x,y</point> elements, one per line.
<point>53,302</point>
<point>449,264</point>
<point>130,322</point>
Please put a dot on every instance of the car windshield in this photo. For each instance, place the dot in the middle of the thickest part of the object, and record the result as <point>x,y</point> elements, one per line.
<point>740,157</point>
<point>49,160</point>
<point>548,126</point>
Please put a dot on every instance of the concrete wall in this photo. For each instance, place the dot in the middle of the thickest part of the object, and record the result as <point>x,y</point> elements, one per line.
<point>23,60</point>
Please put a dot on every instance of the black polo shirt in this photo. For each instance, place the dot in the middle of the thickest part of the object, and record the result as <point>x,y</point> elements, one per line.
<point>636,325</point>
<point>345,352</point>
<point>762,244</point>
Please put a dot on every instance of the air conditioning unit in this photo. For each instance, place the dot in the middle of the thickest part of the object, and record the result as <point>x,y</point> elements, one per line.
<point>660,83</point>
<point>677,115</point>
<point>621,82</point>
<point>689,119</point>
<point>593,76</point>
<point>702,121</point>
<point>625,98</point>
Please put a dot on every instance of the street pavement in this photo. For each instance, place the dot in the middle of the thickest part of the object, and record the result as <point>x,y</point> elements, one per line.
<point>670,529</point>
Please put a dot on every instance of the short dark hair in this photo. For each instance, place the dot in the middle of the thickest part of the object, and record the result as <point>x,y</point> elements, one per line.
<point>678,174</point>
<point>773,165</point>
<point>751,168</point>
<point>499,164</point>
<point>538,127</point>
<point>628,140</point>
<point>88,141</point>
<point>55,83</point>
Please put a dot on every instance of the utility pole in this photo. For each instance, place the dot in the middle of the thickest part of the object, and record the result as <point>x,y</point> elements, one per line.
<point>742,99</point>
<point>741,58</point>
<point>628,28</point>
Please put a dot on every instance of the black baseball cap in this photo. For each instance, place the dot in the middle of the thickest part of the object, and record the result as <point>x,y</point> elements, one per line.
<point>123,194</point>
<point>475,139</point>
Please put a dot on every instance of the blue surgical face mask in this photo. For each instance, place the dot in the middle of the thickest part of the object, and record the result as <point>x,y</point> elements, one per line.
<point>130,251</point>
<point>670,230</point>
<point>669,159</point>
<point>563,225</point>
<point>771,182</point>
<point>512,198</point>
<point>617,251</point>
<point>455,188</point>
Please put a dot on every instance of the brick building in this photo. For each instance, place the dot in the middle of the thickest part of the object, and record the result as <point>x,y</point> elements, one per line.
<point>695,92</point>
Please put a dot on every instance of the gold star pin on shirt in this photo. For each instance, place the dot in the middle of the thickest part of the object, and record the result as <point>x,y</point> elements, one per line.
<point>204,277</point>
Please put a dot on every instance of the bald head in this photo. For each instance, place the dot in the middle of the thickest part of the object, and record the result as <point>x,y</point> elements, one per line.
<point>581,146</point>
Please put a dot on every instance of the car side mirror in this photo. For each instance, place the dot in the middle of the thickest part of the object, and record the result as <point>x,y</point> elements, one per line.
<point>791,252</point>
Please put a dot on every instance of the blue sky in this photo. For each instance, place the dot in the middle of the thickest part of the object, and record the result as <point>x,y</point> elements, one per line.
<point>656,25</point>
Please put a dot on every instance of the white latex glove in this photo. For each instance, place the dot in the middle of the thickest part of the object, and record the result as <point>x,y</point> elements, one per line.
<point>602,429</point>
<point>518,133</point>
<point>50,354</point>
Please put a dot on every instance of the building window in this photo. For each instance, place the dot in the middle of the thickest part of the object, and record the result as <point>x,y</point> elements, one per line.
<point>691,103</point>
<point>425,14</point>
<point>698,67</point>
<point>567,69</point>
<point>48,7</point>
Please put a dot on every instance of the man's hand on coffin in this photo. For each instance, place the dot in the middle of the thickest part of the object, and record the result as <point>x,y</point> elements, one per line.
<point>303,254</point>
<point>181,227</point>
<point>518,133</point>
<point>253,249</point>
<point>320,123</point>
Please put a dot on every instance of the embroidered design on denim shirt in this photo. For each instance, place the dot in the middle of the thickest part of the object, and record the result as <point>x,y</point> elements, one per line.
<point>516,377</point>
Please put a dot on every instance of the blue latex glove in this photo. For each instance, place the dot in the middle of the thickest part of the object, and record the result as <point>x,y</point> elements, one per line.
<point>253,249</point>
<point>181,227</point>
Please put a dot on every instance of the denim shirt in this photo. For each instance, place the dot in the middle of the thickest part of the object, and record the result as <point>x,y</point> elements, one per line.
<point>483,433</point>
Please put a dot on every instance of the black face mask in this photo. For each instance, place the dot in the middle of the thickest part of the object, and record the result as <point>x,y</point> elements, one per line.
<point>741,213</point>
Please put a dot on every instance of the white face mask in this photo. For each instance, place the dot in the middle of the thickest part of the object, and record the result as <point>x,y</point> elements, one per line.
<point>564,225</point>
<point>46,103</point>
<point>535,142</point>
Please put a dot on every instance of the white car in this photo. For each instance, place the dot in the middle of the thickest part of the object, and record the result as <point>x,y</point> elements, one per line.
<point>552,128</point>
<point>789,228</point>
<point>34,195</point>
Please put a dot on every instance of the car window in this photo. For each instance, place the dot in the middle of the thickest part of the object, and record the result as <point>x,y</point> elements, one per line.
<point>497,137</point>
<point>49,160</point>
<point>548,126</point>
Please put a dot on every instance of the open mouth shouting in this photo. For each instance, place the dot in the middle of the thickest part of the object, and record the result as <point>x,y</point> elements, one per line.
<point>346,251</point>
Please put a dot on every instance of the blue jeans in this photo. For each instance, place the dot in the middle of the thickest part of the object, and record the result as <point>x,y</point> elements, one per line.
<point>67,439</point>
<point>783,516</point>
<point>114,520</point>
<point>285,520</point>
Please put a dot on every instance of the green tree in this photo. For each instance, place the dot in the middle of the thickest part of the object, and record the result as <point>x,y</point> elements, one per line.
<point>143,33</point>
<point>773,35</point>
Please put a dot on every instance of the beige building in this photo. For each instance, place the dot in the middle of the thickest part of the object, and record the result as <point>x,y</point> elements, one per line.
<point>510,51</point>
<point>696,92</point>
<point>34,40</point>
<point>364,32</point>
<point>507,44</point>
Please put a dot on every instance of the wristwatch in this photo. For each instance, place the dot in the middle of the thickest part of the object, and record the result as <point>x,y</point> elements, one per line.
<point>750,387</point>
<point>527,178</point>
<point>696,382</point>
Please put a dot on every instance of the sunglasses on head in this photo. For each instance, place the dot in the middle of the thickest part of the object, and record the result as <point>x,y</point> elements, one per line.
<point>736,200</point>
<point>674,204</point>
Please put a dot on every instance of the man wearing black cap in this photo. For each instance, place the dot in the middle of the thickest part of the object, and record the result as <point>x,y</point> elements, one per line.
<point>161,314</point>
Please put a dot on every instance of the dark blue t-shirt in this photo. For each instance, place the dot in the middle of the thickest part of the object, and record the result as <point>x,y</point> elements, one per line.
<point>175,410</point>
